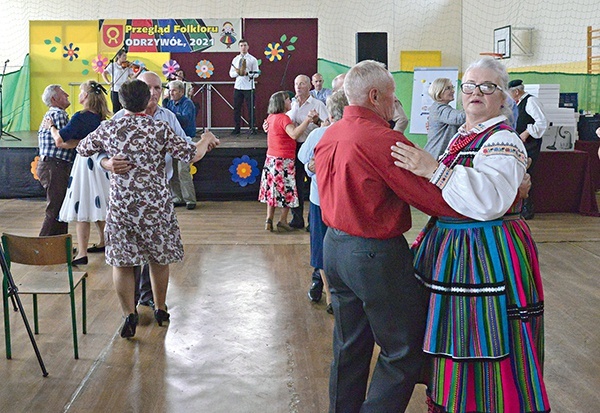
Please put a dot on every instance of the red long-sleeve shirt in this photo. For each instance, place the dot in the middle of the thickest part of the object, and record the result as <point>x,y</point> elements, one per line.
<point>362,192</point>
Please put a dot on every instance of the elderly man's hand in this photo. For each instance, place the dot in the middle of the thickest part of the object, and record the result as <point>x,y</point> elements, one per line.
<point>117,164</point>
<point>525,186</point>
<point>311,165</point>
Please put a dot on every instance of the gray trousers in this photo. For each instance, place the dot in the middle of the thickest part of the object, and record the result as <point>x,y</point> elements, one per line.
<point>182,182</point>
<point>376,299</point>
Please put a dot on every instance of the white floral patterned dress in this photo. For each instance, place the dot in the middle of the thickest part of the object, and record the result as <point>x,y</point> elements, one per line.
<point>141,225</point>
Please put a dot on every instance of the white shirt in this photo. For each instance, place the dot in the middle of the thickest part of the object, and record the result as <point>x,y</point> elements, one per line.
<point>118,75</point>
<point>486,190</point>
<point>535,109</point>
<point>305,154</point>
<point>298,113</point>
<point>244,82</point>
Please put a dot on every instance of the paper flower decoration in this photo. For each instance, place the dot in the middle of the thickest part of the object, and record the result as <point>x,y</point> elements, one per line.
<point>205,69</point>
<point>99,63</point>
<point>33,168</point>
<point>274,52</point>
<point>71,52</point>
<point>169,68</point>
<point>244,170</point>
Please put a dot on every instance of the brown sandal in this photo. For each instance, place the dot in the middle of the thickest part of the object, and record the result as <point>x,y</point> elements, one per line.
<point>269,225</point>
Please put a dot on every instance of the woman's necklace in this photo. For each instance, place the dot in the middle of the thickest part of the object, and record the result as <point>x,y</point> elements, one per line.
<point>462,142</point>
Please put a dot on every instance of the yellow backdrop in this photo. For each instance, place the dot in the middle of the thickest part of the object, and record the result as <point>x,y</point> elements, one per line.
<point>50,41</point>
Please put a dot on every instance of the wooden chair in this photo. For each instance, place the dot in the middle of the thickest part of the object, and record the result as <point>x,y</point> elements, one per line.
<point>43,251</point>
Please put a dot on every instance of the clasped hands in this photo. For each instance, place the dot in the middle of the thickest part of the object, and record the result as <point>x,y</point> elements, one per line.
<point>313,116</point>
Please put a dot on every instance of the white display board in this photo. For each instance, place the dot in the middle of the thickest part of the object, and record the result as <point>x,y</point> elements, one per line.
<point>421,101</point>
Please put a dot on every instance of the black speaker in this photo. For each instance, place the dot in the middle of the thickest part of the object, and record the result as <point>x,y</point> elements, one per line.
<point>372,46</point>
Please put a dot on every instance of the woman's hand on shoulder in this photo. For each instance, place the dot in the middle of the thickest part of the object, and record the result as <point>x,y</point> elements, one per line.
<point>47,123</point>
<point>414,159</point>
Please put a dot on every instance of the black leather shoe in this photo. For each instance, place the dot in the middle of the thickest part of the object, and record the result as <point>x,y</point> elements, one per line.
<point>329,309</point>
<point>316,291</point>
<point>129,325</point>
<point>235,132</point>
<point>296,224</point>
<point>190,205</point>
<point>80,261</point>
<point>95,248</point>
<point>161,316</point>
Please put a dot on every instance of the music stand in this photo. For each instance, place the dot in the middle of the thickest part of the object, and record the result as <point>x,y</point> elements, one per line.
<point>2,133</point>
<point>252,75</point>
<point>13,293</point>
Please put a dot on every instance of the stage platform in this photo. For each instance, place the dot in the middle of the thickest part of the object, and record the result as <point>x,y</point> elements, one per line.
<point>212,176</point>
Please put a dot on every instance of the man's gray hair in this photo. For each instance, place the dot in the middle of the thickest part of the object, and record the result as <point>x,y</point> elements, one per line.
<point>148,73</point>
<point>336,104</point>
<point>49,93</point>
<point>305,77</point>
<point>176,84</point>
<point>363,77</point>
<point>338,82</point>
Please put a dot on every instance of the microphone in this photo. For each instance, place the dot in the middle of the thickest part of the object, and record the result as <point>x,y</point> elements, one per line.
<point>7,60</point>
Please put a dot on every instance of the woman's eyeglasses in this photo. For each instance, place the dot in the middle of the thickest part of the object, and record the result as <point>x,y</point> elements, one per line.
<point>487,88</point>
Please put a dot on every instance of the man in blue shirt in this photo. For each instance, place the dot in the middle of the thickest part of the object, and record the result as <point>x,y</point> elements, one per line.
<point>182,184</point>
<point>319,92</point>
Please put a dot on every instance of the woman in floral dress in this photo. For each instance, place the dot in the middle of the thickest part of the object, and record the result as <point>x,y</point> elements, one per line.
<point>278,181</point>
<point>141,225</point>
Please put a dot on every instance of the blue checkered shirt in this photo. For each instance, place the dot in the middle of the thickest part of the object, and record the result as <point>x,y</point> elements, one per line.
<point>46,142</point>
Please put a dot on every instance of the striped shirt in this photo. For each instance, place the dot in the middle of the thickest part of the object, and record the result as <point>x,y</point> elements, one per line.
<point>46,143</point>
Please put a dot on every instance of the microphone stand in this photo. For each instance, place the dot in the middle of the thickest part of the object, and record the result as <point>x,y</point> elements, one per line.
<point>112,75</point>
<point>2,133</point>
<point>285,71</point>
<point>252,75</point>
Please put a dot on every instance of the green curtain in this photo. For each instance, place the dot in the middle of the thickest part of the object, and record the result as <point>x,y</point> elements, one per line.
<point>15,99</point>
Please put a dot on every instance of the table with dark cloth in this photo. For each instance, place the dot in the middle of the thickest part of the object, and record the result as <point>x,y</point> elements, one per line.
<point>591,147</point>
<point>562,182</point>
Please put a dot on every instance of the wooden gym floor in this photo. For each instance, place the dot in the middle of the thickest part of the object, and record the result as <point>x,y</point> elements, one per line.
<point>244,336</point>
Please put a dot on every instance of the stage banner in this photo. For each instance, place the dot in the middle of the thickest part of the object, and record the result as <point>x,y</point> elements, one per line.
<point>169,35</point>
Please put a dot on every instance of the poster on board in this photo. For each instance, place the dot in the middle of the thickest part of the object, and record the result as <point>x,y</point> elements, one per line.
<point>421,101</point>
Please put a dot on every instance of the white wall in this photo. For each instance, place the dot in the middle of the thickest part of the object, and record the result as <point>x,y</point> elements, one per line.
<point>460,28</point>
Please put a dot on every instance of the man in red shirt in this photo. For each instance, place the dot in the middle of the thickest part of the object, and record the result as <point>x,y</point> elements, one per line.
<point>365,203</point>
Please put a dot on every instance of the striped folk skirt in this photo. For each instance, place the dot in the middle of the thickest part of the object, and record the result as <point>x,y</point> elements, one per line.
<point>484,331</point>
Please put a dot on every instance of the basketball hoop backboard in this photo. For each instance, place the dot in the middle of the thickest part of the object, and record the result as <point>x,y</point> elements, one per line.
<point>502,41</point>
